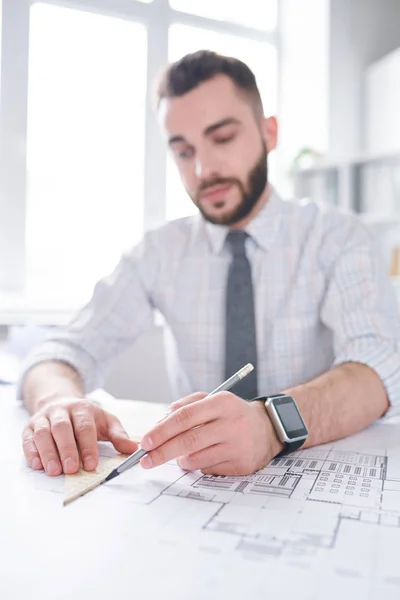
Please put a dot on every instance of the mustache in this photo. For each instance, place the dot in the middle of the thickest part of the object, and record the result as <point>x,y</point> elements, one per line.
<point>217,181</point>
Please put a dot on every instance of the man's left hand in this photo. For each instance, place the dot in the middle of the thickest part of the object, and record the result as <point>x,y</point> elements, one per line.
<point>220,435</point>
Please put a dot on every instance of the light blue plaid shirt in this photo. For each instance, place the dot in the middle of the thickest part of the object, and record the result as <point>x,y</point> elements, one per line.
<point>322,297</point>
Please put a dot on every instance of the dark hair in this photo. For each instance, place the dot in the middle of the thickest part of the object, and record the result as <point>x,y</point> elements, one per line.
<point>184,75</point>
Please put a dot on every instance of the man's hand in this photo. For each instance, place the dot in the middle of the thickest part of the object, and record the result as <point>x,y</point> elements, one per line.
<point>66,430</point>
<point>221,435</point>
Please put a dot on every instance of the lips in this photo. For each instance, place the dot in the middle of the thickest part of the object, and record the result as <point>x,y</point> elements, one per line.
<point>217,192</point>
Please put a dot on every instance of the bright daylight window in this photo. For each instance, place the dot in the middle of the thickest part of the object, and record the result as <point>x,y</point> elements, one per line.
<point>261,58</point>
<point>260,14</point>
<point>85,147</point>
<point>94,181</point>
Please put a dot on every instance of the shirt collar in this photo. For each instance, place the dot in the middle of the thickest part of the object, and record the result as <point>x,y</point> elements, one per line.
<point>262,229</point>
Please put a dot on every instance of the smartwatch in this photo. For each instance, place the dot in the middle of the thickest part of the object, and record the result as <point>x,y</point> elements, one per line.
<point>286,420</point>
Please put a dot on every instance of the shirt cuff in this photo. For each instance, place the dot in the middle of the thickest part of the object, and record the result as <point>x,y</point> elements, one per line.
<point>77,358</point>
<point>384,359</point>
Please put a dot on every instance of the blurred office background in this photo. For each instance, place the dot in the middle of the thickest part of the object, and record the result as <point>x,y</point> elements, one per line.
<point>84,171</point>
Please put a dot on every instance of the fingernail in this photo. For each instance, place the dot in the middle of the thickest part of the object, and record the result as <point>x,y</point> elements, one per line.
<point>146,462</point>
<point>36,464</point>
<point>182,463</point>
<point>52,467</point>
<point>69,464</point>
<point>90,463</point>
<point>147,443</point>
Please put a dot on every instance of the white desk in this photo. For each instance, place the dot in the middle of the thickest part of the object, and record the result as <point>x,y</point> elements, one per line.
<point>51,552</point>
<point>289,531</point>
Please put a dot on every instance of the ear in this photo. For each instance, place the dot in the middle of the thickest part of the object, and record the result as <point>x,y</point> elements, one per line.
<point>270,132</point>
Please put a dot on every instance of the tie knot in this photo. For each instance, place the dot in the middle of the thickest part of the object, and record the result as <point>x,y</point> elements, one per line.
<point>236,240</point>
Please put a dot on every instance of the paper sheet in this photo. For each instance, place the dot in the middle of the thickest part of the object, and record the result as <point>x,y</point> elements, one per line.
<point>321,523</point>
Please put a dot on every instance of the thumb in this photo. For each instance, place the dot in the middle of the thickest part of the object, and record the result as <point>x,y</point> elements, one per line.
<point>120,438</point>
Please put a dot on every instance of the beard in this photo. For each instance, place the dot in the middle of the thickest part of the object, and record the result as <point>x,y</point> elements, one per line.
<point>250,193</point>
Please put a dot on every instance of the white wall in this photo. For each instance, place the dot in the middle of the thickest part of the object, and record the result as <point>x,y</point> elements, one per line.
<point>361,32</point>
<point>383,105</point>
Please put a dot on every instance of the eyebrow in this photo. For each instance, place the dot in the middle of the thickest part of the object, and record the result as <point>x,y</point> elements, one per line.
<point>208,131</point>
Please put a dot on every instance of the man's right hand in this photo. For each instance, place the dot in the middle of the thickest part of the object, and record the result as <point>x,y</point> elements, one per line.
<point>65,431</point>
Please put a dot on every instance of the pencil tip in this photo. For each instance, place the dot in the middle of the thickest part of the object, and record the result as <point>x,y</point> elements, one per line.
<point>111,475</point>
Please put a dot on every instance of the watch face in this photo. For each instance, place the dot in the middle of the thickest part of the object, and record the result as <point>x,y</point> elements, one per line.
<point>290,417</point>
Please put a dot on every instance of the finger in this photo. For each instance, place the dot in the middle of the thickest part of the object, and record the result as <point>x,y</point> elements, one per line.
<point>46,447</point>
<point>204,459</point>
<point>187,400</point>
<point>85,430</point>
<point>119,437</point>
<point>183,419</point>
<point>63,435</point>
<point>189,442</point>
<point>30,451</point>
<point>183,402</point>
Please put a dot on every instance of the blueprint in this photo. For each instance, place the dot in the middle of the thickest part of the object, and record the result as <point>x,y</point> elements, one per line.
<point>321,523</point>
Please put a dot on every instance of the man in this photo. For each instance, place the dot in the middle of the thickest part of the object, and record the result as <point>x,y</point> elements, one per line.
<point>297,289</point>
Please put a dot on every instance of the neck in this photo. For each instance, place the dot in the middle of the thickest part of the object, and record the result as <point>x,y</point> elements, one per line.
<point>262,201</point>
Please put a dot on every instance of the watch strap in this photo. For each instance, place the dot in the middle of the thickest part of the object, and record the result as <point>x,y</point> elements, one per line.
<point>290,447</point>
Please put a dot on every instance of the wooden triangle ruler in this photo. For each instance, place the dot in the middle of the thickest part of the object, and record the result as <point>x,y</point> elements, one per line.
<point>84,481</point>
<point>80,483</point>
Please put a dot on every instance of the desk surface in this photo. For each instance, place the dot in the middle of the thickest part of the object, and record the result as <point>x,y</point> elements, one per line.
<point>322,523</point>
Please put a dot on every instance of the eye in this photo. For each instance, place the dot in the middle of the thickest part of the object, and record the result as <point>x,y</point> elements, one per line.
<point>225,139</point>
<point>185,153</point>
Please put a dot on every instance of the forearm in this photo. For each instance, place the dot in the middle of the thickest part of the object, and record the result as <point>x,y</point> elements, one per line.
<point>49,380</point>
<point>340,402</point>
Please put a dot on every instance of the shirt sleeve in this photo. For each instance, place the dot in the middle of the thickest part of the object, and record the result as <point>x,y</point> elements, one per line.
<point>121,309</point>
<point>360,305</point>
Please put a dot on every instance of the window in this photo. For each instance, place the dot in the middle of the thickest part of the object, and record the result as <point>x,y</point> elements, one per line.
<point>261,58</point>
<point>85,147</point>
<point>76,126</point>
<point>261,14</point>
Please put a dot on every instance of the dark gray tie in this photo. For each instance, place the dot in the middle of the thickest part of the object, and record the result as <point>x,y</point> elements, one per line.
<point>240,331</point>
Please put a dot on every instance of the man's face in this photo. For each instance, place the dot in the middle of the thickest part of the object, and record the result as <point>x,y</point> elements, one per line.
<point>219,147</point>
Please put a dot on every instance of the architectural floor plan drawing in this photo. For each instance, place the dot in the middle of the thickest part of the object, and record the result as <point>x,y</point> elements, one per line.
<point>331,506</point>
<point>321,523</point>
<point>308,494</point>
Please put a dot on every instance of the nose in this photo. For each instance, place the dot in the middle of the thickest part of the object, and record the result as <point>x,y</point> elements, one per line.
<point>205,170</point>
